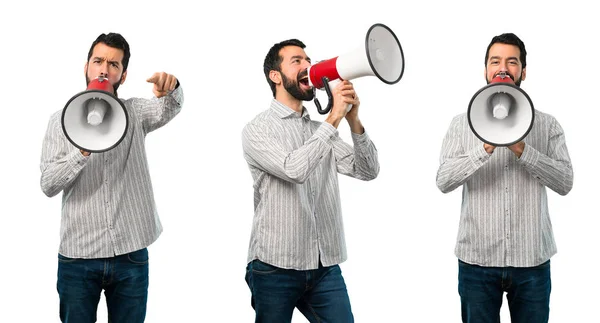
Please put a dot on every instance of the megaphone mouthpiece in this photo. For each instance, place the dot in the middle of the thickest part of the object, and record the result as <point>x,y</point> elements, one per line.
<point>501,105</point>
<point>96,111</point>
<point>503,77</point>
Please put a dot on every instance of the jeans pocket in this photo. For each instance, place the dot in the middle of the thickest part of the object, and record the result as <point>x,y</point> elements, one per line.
<point>259,267</point>
<point>139,257</point>
<point>65,260</point>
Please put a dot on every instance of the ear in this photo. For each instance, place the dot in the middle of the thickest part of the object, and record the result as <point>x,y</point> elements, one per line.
<point>523,73</point>
<point>123,77</point>
<point>275,77</point>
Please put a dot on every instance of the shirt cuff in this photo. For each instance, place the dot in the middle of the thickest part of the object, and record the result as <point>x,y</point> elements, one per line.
<point>77,160</point>
<point>360,139</point>
<point>529,157</point>
<point>177,94</point>
<point>479,156</point>
<point>326,132</point>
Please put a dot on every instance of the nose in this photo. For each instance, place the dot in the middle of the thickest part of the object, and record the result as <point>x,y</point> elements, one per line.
<point>104,69</point>
<point>305,64</point>
<point>502,67</point>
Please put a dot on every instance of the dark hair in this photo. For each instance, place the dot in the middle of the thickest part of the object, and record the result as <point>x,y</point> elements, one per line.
<point>510,39</point>
<point>116,41</point>
<point>273,59</point>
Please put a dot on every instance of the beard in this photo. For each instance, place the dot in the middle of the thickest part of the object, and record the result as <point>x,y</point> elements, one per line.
<point>114,85</point>
<point>294,89</point>
<point>517,81</point>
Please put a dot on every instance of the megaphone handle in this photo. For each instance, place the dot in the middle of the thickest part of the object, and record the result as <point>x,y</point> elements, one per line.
<point>329,97</point>
<point>329,86</point>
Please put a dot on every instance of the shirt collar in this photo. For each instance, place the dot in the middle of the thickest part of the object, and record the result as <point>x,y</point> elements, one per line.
<point>283,111</point>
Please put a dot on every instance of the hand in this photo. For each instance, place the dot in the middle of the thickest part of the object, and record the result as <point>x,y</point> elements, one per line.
<point>517,148</point>
<point>163,83</point>
<point>343,94</point>
<point>352,115</point>
<point>489,148</point>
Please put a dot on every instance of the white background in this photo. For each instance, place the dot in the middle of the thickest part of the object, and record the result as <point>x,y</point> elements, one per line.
<point>400,229</point>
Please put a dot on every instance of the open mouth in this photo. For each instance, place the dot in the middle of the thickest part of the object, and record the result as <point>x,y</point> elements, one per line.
<point>303,79</point>
<point>304,83</point>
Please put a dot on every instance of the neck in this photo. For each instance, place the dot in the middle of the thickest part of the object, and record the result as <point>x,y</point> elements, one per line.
<point>290,101</point>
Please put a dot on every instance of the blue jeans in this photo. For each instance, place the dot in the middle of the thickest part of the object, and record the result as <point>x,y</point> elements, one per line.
<point>527,291</point>
<point>124,279</point>
<point>320,294</point>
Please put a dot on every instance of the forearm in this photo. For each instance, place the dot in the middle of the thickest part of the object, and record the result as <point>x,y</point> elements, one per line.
<point>455,171</point>
<point>265,152</point>
<point>157,112</point>
<point>356,126</point>
<point>360,161</point>
<point>59,174</point>
<point>554,173</point>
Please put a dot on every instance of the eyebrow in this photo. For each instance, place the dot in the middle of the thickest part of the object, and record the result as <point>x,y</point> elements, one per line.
<point>300,57</point>
<point>509,58</point>
<point>103,59</point>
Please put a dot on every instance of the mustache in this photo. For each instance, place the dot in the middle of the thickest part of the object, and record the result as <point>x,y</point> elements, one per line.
<point>302,74</point>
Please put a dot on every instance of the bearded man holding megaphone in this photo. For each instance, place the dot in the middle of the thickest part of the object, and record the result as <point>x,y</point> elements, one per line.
<point>504,154</point>
<point>297,234</point>
<point>94,153</point>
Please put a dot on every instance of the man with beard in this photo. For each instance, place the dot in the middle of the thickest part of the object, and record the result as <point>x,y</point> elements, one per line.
<point>505,237</point>
<point>297,238</point>
<point>108,212</point>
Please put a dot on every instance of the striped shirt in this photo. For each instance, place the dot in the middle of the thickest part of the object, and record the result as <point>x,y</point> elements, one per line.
<point>294,164</point>
<point>108,205</point>
<point>504,219</point>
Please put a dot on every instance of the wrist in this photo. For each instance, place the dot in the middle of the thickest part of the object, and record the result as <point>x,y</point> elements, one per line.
<point>355,125</point>
<point>333,120</point>
<point>489,148</point>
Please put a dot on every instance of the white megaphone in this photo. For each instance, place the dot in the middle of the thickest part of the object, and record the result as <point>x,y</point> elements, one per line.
<point>381,55</point>
<point>95,120</point>
<point>501,113</point>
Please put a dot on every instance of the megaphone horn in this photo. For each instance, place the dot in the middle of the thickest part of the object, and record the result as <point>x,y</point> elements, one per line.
<point>501,113</point>
<point>95,120</point>
<point>381,56</point>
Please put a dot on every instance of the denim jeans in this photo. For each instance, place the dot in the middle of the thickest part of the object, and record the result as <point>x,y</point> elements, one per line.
<point>527,291</point>
<point>319,294</point>
<point>124,279</point>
